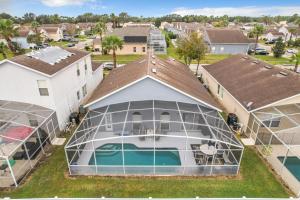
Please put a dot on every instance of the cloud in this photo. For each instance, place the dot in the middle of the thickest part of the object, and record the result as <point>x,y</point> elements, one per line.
<point>60,3</point>
<point>252,11</point>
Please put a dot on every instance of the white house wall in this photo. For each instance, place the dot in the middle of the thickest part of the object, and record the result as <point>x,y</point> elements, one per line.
<point>146,89</point>
<point>19,84</point>
<point>65,86</point>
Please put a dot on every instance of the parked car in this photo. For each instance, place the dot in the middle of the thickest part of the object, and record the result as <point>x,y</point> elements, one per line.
<point>292,51</point>
<point>74,40</point>
<point>71,45</point>
<point>66,39</point>
<point>259,51</point>
<point>270,42</point>
<point>108,65</point>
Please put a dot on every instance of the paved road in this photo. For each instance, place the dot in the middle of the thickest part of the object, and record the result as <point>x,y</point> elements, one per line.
<point>82,44</point>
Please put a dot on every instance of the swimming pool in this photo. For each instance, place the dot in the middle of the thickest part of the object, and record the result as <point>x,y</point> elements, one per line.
<point>293,165</point>
<point>111,154</point>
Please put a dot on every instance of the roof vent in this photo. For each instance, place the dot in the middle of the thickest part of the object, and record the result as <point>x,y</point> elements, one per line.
<point>154,70</point>
<point>153,62</point>
<point>255,61</point>
<point>283,73</point>
<point>249,105</point>
<point>153,56</point>
<point>245,57</point>
<point>268,67</point>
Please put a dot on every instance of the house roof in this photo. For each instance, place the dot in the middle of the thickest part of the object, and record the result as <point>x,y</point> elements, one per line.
<point>131,31</point>
<point>274,32</point>
<point>46,68</point>
<point>49,29</point>
<point>96,65</point>
<point>226,36</point>
<point>169,72</point>
<point>249,80</point>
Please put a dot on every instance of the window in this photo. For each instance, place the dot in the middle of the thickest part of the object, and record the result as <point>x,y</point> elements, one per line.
<point>220,91</point>
<point>78,95</point>
<point>213,49</point>
<point>144,49</point>
<point>78,70</point>
<point>84,90</point>
<point>222,49</point>
<point>134,49</point>
<point>42,84</point>
<point>85,66</point>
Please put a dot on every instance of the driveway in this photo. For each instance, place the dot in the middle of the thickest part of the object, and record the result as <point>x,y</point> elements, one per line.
<point>82,44</point>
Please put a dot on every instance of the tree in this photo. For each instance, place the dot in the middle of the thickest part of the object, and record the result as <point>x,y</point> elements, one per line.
<point>112,43</point>
<point>100,29</point>
<point>257,31</point>
<point>198,48</point>
<point>296,58</point>
<point>278,49</point>
<point>123,16</point>
<point>35,25</point>
<point>191,48</point>
<point>183,50</point>
<point>8,31</point>
<point>293,32</point>
<point>3,49</point>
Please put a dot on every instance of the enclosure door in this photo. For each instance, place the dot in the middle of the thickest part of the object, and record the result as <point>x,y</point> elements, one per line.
<point>108,122</point>
<point>50,128</point>
<point>254,130</point>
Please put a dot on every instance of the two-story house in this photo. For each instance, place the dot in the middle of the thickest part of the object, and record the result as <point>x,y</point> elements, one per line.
<point>55,78</point>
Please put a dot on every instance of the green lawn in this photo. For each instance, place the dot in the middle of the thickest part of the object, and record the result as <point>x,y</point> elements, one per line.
<point>60,44</point>
<point>51,179</point>
<point>121,59</point>
<point>274,61</point>
<point>9,54</point>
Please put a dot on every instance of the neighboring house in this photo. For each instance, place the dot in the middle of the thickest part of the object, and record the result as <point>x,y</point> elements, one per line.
<point>135,39</point>
<point>273,34</point>
<point>51,33</point>
<point>157,42</point>
<point>139,24</point>
<point>21,39</point>
<point>159,106</point>
<point>85,27</point>
<point>226,41</point>
<point>244,85</point>
<point>55,78</point>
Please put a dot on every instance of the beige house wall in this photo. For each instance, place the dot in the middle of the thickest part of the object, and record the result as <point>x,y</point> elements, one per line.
<point>128,48</point>
<point>227,101</point>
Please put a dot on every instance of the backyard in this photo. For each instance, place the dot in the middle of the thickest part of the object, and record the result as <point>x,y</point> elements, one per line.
<point>51,179</point>
<point>121,59</point>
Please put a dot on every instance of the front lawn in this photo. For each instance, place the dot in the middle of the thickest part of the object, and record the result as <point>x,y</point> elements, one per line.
<point>51,179</point>
<point>121,59</point>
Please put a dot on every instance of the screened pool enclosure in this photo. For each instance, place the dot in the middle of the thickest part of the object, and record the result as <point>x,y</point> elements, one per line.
<point>153,138</point>
<point>26,131</point>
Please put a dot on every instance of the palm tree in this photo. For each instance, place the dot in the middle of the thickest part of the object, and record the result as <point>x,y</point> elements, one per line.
<point>100,29</point>
<point>293,32</point>
<point>296,58</point>
<point>8,31</point>
<point>34,26</point>
<point>258,30</point>
<point>3,49</point>
<point>113,43</point>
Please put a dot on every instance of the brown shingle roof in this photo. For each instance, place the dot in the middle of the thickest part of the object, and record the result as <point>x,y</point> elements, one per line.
<point>248,81</point>
<point>46,68</point>
<point>226,36</point>
<point>170,72</point>
<point>96,65</point>
<point>131,31</point>
<point>274,32</point>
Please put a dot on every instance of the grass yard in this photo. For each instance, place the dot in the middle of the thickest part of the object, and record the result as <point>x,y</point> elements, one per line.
<point>121,59</point>
<point>51,179</point>
<point>9,54</point>
<point>274,61</point>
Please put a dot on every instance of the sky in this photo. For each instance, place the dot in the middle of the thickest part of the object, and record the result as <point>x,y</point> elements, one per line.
<point>154,8</point>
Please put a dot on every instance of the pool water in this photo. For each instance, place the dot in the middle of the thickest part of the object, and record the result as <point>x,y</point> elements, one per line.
<point>293,165</point>
<point>112,155</point>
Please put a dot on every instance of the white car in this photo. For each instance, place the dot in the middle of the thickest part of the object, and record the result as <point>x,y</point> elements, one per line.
<point>292,51</point>
<point>108,65</point>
